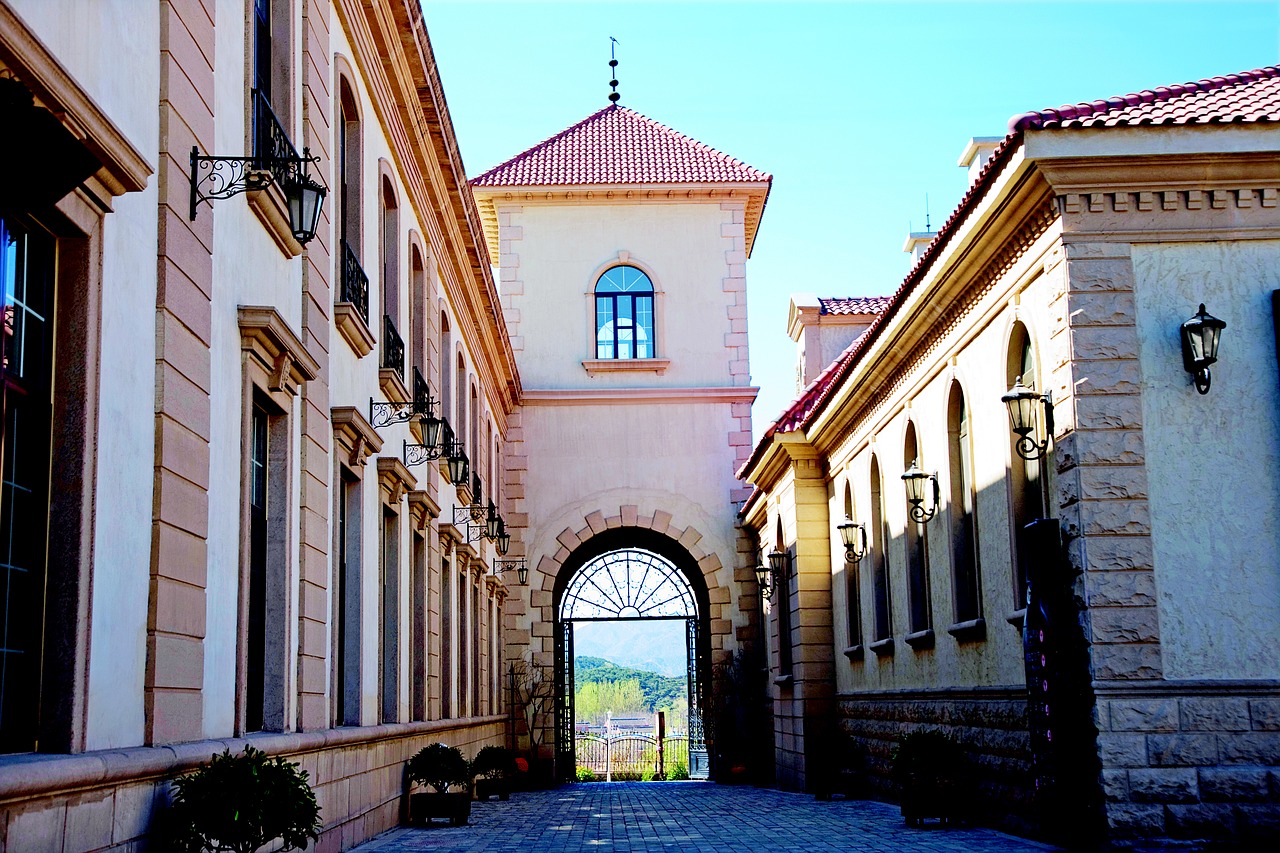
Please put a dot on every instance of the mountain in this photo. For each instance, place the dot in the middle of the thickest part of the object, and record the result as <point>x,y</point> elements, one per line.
<point>659,691</point>
<point>656,645</point>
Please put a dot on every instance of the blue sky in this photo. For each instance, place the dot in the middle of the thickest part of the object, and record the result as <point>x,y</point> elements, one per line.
<point>858,109</point>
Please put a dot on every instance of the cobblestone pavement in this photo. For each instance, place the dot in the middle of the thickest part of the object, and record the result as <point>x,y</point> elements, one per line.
<point>646,817</point>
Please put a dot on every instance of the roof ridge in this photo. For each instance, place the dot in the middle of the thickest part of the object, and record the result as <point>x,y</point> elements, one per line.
<point>1036,119</point>
<point>546,142</point>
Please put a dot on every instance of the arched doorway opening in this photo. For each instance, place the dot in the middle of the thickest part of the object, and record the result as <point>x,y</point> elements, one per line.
<point>629,574</point>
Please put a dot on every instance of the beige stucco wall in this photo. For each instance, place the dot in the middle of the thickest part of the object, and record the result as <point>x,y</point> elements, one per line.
<point>1213,462</point>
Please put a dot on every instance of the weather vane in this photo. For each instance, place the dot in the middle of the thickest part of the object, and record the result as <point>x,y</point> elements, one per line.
<point>613,66</point>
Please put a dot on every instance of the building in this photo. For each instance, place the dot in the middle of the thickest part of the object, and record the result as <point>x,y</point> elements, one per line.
<point>223,524</point>
<point>622,246</point>
<point>1140,525</point>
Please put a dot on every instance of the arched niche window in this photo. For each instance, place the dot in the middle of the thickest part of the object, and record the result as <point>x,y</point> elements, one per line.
<point>782,599</point>
<point>460,373</point>
<point>880,557</point>
<point>1024,474</point>
<point>965,562</point>
<point>624,314</point>
<point>389,251</point>
<point>917,550</point>
<point>349,163</point>
<point>446,386</point>
<point>852,577</point>
<point>417,312</point>
<point>272,83</point>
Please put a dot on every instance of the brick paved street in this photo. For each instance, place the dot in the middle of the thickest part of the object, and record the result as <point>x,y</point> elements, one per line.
<point>667,816</point>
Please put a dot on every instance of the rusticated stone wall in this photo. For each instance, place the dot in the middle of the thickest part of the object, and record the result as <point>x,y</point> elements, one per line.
<point>989,723</point>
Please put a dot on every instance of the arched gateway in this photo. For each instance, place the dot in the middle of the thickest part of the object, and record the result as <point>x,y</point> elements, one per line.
<point>626,575</point>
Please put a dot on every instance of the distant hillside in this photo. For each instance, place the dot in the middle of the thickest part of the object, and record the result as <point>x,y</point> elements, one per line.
<point>660,691</point>
<point>656,645</point>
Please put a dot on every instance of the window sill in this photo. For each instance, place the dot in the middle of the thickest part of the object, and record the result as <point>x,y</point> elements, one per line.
<point>353,328</point>
<point>883,648</point>
<point>787,681</point>
<point>853,653</point>
<point>392,386</point>
<point>920,640</point>
<point>970,631</point>
<point>272,210</point>
<point>626,365</point>
<point>1016,618</point>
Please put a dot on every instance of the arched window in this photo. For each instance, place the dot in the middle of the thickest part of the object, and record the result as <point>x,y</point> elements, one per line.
<point>446,386</point>
<point>417,313</point>
<point>461,431</point>
<point>353,284</point>
<point>880,556</point>
<point>1024,474</point>
<point>624,314</point>
<point>782,597</point>
<point>917,550</point>
<point>852,577</point>
<point>964,521</point>
<point>389,249</point>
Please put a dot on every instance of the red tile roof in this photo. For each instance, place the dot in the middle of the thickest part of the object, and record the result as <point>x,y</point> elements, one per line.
<point>618,145</point>
<point>854,305</point>
<point>1245,98</point>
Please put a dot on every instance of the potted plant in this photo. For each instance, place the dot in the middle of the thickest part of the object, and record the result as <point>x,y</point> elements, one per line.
<point>930,768</point>
<point>492,769</point>
<point>239,803</point>
<point>442,768</point>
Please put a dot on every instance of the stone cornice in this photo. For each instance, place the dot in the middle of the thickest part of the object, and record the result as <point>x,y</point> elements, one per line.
<point>395,478</point>
<point>267,338</point>
<point>639,396</point>
<point>422,508</point>
<point>354,434</point>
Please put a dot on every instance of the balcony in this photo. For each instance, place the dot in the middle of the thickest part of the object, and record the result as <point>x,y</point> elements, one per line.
<point>392,347</point>
<point>351,311</point>
<point>272,147</point>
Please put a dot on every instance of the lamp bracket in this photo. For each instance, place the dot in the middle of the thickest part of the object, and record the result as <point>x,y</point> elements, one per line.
<point>223,177</point>
<point>387,413</point>
<point>419,454</point>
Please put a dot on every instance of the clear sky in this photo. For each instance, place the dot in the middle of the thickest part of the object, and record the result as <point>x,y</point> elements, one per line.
<point>858,109</point>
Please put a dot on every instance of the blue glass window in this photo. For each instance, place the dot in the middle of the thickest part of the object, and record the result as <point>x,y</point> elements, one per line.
<point>624,315</point>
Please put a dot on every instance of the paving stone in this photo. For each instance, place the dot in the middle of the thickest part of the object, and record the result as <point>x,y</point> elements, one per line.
<point>680,816</point>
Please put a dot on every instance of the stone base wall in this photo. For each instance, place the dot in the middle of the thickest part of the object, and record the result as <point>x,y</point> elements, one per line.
<point>1191,761</point>
<point>990,724</point>
<point>104,801</point>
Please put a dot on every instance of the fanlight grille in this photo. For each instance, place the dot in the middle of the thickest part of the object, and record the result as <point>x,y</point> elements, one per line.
<point>628,584</point>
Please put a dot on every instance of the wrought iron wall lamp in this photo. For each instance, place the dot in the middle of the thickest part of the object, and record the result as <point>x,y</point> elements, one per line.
<point>223,177</point>
<point>437,436</point>
<point>1200,337</point>
<point>764,579</point>
<point>915,480</point>
<point>520,567</point>
<point>854,538</point>
<point>1022,401</point>
<point>422,407</point>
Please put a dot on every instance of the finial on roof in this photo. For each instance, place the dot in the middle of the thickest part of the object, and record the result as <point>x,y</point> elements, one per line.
<point>613,67</point>
<point>926,213</point>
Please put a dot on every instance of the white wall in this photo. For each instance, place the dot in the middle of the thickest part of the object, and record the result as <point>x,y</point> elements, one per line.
<point>1213,462</point>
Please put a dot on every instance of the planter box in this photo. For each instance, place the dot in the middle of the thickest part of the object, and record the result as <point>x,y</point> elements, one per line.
<point>454,807</point>
<point>486,788</point>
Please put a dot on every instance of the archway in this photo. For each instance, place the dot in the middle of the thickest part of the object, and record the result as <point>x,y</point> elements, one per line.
<point>624,575</point>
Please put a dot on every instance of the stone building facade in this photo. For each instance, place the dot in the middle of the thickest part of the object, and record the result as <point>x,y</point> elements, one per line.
<point>1090,234</point>
<point>237,541</point>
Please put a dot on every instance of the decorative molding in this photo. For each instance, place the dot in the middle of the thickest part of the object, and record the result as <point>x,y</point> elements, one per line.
<point>395,478</point>
<point>353,328</point>
<point>266,337</point>
<point>626,365</point>
<point>392,385</point>
<point>1169,200</point>
<point>354,435</point>
<point>272,210</point>
<point>639,396</point>
<point>422,509</point>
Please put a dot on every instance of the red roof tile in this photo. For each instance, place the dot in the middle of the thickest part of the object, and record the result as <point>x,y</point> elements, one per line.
<point>854,305</point>
<point>618,145</point>
<point>1245,98</point>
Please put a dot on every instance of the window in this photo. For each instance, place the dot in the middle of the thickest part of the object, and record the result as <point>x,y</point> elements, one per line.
<point>346,689</point>
<point>852,577</point>
<point>271,80</point>
<point>1024,474</point>
<point>266,576</point>
<point>477,644</point>
<point>446,386</point>
<point>417,313</point>
<point>418,626</point>
<point>446,638</point>
<point>465,623</point>
<point>917,551</point>
<point>964,523</point>
<point>27,264</point>
<point>389,250</point>
<point>782,595</point>
<point>624,315</point>
<point>353,282</point>
<point>389,593</point>
<point>880,557</point>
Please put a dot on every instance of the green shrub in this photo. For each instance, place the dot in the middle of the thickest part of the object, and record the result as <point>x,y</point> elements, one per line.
<point>439,766</point>
<point>677,772</point>
<point>585,774</point>
<point>493,762</point>
<point>239,803</point>
<point>648,775</point>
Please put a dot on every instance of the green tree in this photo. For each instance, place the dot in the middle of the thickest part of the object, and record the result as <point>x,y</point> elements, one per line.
<point>594,700</point>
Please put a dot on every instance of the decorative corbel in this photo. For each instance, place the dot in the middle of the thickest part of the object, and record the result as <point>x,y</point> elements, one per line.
<point>280,373</point>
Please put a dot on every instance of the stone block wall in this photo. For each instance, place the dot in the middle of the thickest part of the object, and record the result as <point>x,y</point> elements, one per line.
<point>105,801</point>
<point>990,724</point>
<point>1199,764</point>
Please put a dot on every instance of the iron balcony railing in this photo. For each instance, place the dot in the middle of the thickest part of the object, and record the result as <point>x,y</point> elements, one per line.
<point>272,147</point>
<point>355,284</point>
<point>475,488</point>
<point>421,395</point>
<point>392,346</point>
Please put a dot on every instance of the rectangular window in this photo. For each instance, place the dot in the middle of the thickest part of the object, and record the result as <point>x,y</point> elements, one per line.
<point>418,633</point>
<point>853,600</point>
<point>783,595</point>
<point>918,576</point>
<point>390,616</point>
<point>27,265</point>
<point>464,644</point>
<point>256,642</point>
<point>346,682</point>
<point>446,639</point>
<point>477,646</point>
